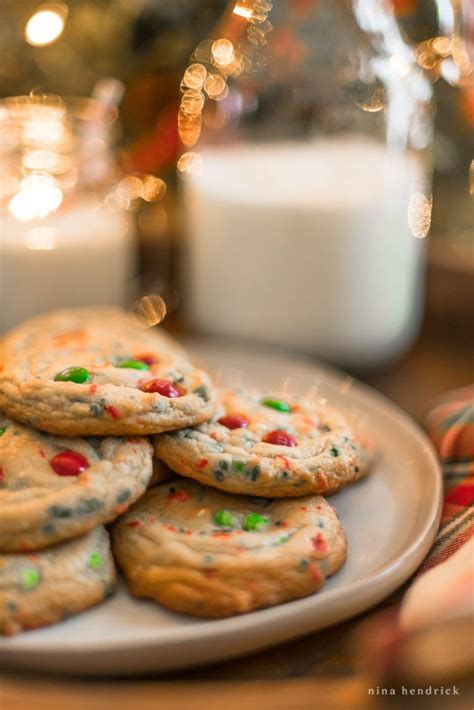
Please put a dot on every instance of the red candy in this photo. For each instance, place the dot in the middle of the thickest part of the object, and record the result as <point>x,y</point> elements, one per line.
<point>279,438</point>
<point>69,463</point>
<point>163,387</point>
<point>234,421</point>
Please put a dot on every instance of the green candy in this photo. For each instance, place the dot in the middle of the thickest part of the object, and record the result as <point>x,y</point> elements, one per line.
<point>254,521</point>
<point>2,430</point>
<point>277,404</point>
<point>224,518</point>
<point>96,560</point>
<point>133,364</point>
<point>79,375</point>
<point>30,578</point>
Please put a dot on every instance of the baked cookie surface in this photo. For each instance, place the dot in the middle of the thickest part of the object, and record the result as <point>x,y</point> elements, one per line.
<point>206,553</point>
<point>54,488</point>
<point>98,372</point>
<point>51,585</point>
<point>266,446</point>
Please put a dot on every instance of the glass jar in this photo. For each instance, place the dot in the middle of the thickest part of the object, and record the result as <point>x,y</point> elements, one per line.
<point>307,194</point>
<point>63,242</point>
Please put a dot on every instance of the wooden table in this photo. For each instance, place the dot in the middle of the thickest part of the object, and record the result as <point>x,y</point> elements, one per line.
<point>320,671</point>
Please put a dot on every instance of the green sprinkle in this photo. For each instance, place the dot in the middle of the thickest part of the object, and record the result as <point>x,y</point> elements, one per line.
<point>133,364</point>
<point>79,375</point>
<point>95,560</point>
<point>255,473</point>
<point>238,466</point>
<point>224,518</point>
<point>203,392</point>
<point>277,404</point>
<point>30,578</point>
<point>282,540</point>
<point>2,430</point>
<point>254,521</point>
<point>334,451</point>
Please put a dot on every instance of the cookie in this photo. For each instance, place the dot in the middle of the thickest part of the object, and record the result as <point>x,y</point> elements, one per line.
<point>51,585</point>
<point>202,552</point>
<point>267,446</point>
<point>98,372</point>
<point>53,488</point>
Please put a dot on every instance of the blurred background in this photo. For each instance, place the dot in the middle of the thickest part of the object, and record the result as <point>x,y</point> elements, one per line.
<point>266,171</point>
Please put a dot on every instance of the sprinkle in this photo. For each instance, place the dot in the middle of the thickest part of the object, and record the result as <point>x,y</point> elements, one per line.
<point>254,521</point>
<point>219,475</point>
<point>95,560</point>
<point>113,411</point>
<point>255,473</point>
<point>224,518</point>
<point>133,523</point>
<point>79,375</point>
<point>93,389</point>
<point>238,466</point>
<point>277,404</point>
<point>182,496</point>
<point>319,543</point>
<point>30,578</point>
<point>203,392</point>
<point>334,451</point>
<point>42,453</point>
<point>2,474</point>
<point>315,572</point>
<point>3,430</point>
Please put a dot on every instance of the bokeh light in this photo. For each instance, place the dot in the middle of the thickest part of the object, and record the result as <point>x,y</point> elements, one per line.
<point>46,25</point>
<point>150,310</point>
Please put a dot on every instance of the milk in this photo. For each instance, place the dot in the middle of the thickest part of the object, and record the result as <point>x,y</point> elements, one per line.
<point>81,255</point>
<point>306,245</point>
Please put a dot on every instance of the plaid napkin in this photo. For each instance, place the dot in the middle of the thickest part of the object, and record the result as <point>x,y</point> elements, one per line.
<point>440,595</point>
<point>450,426</point>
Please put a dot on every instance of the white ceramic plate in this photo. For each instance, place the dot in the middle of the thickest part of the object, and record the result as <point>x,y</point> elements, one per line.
<point>390,520</point>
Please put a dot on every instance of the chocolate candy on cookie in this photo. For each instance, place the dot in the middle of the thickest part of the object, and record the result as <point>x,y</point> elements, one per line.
<point>267,446</point>
<point>53,584</point>
<point>53,488</point>
<point>98,372</point>
<point>199,551</point>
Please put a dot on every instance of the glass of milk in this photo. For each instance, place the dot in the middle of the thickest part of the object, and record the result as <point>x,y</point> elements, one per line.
<point>307,216</point>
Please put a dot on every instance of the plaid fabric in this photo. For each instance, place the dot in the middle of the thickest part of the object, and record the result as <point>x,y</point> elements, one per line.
<point>450,425</point>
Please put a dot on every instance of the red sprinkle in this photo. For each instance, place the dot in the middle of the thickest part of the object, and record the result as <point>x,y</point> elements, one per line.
<point>42,453</point>
<point>285,460</point>
<point>163,387</point>
<point>93,389</point>
<point>210,573</point>
<point>133,523</point>
<point>279,438</point>
<point>113,411</point>
<point>179,495</point>
<point>147,358</point>
<point>234,421</point>
<point>319,543</point>
<point>315,572</point>
<point>202,464</point>
<point>2,474</point>
<point>69,463</point>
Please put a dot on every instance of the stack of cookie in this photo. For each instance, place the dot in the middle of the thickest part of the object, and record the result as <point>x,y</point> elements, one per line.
<point>80,393</point>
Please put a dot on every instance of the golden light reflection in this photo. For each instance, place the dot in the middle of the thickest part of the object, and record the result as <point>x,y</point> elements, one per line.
<point>194,76</point>
<point>150,310</point>
<point>38,196</point>
<point>190,164</point>
<point>192,101</point>
<point>153,188</point>
<point>223,52</point>
<point>214,85</point>
<point>242,10</point>
<point>189,128</point>
<point>46,25</point>
<point>375,103</point>
<point>419,214</point>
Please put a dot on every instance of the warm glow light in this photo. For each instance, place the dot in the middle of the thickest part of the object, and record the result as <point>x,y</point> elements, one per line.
<point>419,215</point>
<point>41,238</point>
<point>242,11</point>
<point>223,51</point>
<point>38,196</point>
<point>45,26</point>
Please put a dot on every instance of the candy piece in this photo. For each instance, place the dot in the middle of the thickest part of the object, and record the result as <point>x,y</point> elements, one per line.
<point>134,364</point>
<point>30,578</point>
<point>163,387</point>
<point>277,404</point>
<point>279,438</point>
<point>79,375</point>
<point>2,430</point>
<point>224,518</point>
<point>69,463</point>
<point>254,521</point>
<point>96,560</point>
<point>234,421</point>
